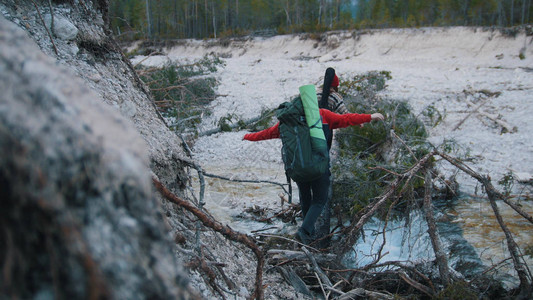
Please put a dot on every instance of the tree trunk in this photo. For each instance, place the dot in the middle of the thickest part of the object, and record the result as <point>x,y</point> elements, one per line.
<point>148,19</point>
<point>236,14</point>
<point>523,12</point>
<point>320,11</point>
<point>158,12</point>
<point>440,254</point>
<point>214,21</point>
<point>196,19</point>
<point>287,14</point>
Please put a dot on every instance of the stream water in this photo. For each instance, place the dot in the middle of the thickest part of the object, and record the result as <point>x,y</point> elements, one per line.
<point>468,230</point>
<point>467,226</point>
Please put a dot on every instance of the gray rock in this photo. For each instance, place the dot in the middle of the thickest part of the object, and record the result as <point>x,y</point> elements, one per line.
<point>63,28</point>
<point>78,215</point>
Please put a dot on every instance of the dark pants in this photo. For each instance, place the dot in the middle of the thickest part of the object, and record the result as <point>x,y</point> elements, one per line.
<point>313,198</point>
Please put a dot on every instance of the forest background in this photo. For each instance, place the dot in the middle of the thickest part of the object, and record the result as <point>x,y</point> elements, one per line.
<point>170,19</point>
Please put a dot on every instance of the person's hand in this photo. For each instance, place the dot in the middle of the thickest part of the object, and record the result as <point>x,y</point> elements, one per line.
<point>377,117</point>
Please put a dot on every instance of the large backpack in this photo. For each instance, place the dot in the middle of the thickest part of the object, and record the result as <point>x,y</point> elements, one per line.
<point>304,150</point>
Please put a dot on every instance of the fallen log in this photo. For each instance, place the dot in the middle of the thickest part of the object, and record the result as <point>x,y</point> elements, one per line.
<point>360,293</point>
<point>293,279</point>
<point>280,254</point>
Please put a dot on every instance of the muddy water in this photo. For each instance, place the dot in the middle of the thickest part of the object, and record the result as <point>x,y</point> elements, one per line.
<point>481,229</point>
<point>227,200</point>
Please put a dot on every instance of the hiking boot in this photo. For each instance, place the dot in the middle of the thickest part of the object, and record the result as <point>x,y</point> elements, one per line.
<point>303,237</point>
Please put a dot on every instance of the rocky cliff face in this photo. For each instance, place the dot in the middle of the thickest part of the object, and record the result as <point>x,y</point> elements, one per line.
<point>80,41</point>
<point>79,142</point>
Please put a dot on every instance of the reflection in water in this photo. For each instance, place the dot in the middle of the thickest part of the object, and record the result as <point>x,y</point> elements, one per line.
<point>482,230</point>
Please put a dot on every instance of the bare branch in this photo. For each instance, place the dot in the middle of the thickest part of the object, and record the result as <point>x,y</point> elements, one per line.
<point>147,57</point>
<point>222,229</point>
<point>321,286</point>
<point>351,232</point>
<point>403,143</point>
<point>282,185</point>
<point>493,194</point>
<point>481,179</point>
<point>44,24</point>
<point>323,277</point>
<point>287,239</point>
<point>416,285</point>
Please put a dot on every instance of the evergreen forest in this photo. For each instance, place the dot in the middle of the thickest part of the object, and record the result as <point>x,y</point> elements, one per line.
<point>199,19</point>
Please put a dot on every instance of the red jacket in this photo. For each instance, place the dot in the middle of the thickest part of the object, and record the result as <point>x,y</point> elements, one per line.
<point>332,119</point>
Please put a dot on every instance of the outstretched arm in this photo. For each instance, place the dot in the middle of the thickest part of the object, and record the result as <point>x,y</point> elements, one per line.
<point>269,133</point>
<point>341,121</point>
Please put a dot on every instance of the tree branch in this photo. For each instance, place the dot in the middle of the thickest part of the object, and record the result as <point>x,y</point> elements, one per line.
<point>481,179</point>
<point>44,24</point>
<point>351,232</point>
<point>222,229</point>
<point>440,254</point>
<point>493,194</point>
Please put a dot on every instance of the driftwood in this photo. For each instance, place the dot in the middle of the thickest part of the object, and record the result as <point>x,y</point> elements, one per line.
<point>280,254</point>
<point>506,127</point>
<point>360,293</point>
<point>321,275</point>
<point>293,279</point>
<point>469,114</point>
<point>222,229</point>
